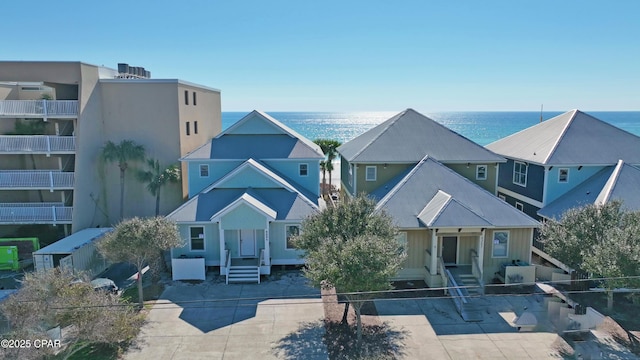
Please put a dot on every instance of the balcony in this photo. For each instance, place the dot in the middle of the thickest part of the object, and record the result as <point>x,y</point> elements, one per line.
<point>36,180</point>
<point>37,144</point>
<point>59,109</point>
<point>35,213</point>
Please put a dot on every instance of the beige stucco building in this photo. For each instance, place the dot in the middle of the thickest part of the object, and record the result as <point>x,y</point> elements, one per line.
<point>55,118</point>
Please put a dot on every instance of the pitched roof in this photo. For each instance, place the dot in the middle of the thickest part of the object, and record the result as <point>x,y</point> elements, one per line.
<point>620,182</point>
<point>573,138</point>
<point>432,195</point>
<point>408,137</point>
<point>259,136</point>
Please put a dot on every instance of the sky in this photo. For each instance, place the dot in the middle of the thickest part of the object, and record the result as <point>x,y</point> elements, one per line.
<point>297,55</point>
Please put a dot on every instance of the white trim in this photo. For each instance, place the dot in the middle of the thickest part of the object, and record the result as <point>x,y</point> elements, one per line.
<point>502,197</point>
<point>249,200</point>
<point>354,183</point>
<point>559,174</point>
<point>306,165</point>
<point>520,197</point>
<point>526,173</point>
<point>493,243</point>
<point>545,178</point>
<point>521,208</point>
<point>495,189</point>
<point>204,239</point>
<point>200,170</point>
<point>255,242</point>
<point>486,169</point>
<point>286,248</point>
<point>366,173</point>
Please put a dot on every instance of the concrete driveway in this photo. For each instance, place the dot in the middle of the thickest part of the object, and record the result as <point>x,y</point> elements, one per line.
<point>199,322</point>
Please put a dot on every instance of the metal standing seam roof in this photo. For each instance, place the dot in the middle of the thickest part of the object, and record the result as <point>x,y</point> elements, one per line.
<point>433,194</point>
<point>572,138</point>
<point>408,137</point>
<point>287,145</point>
<point>74,241</point>
<point>620,182</point>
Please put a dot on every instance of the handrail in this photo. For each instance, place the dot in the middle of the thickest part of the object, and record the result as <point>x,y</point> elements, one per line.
<point>261,262</point>
<point>43,108</point>
<point>45,179</point>
<point>476,269</point>
<point>227,264</point>
<point>441,271</point>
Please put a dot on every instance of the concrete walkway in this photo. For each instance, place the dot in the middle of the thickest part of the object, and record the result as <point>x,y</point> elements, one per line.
<point>192,322</point>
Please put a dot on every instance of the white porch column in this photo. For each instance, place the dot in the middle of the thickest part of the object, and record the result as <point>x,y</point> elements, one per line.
<point>267,246</point>
<point>223,259</point>
<point>481,250</point>
<point>433,267</point>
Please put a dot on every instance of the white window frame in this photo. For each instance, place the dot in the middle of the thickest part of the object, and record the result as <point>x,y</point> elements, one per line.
<point>403,241</point>
<point>204,239</point>
<point>493,245</point>
<point>351,174</point>
<point>286,235</point>
<point>201,167</point>
<point>520,173</point>
<point>566,180</point>
<point>375,173</point>
<point>306,169</point>
<point>486,169</point>
<point>502,197</point>
<point>520,206</point>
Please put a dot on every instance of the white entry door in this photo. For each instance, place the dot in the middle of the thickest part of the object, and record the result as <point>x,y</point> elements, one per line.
<point>247,243</point>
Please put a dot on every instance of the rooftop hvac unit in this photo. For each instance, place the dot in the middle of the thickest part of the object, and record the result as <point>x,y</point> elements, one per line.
<point>123,68</point>
<point>147,74</point>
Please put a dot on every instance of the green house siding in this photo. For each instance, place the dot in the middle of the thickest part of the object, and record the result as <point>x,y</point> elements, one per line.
<point>384,174</point>
<point>211,251</point>
<point>256,125</point>
<point>470,173</point>
<point>278,241</point>
<point>232,241</point>
<point>344,176</point>
<point>243,217</point>
<point>248,177</point>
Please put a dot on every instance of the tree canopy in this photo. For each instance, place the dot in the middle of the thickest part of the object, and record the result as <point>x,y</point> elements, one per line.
<point>601,240</point>
<point>140,242</point>
<point>122,153</point>
<point>353,248</point>
<point>156,177</point>
<point>55,298</point>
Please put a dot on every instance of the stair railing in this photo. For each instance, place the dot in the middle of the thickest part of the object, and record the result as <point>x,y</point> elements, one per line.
<point>228,264</point>
<point>477,271</point>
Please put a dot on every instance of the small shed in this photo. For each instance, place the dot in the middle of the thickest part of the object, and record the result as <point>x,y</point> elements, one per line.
<point>77,252</point>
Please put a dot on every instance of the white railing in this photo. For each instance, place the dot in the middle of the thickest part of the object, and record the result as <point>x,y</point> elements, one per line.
<point>35,213</point>
<point>476,270</point>
<point>37,144</point>
<point>227,264</point>
<point>261,259</point>
<point>443,274</point>
<point>39,108</point>
<point>36,179</point>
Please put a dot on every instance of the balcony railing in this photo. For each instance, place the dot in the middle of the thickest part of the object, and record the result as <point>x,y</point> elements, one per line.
<point>39,108</point>
<point>36,179</point>
<point>35,213</point>
<point>41,144</point>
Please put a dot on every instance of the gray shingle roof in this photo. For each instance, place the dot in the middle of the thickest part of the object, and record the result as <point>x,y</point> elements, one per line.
<point>573,138</point>
<point>620,182</point>
<point>283,143</point>
<point>408,137</point>
<point>431,193</point>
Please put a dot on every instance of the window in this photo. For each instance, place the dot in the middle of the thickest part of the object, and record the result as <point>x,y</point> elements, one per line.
<point>502,197</point>
<point>188,129</point>
<point>186,97</point>
<point>204,170</point>
<point>195,127</point>
<point>194,98</point>
<point>196,238</point>
<point>303,169</point>
<point>520,173</point>
<point>481,172</point>
<point>500,244</point>
<point>563,175</point>
<point>370,174</point>
<point>292,231</point>
<point>519,206</point>
<point>403,244</point>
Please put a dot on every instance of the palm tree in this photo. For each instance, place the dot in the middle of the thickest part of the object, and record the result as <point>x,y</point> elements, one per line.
<point>122,153</point>
<point>328,147</point>
<point>323,167</point>
<point>156,177</point>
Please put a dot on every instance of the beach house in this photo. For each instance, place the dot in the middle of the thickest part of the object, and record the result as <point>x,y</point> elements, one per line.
<point>250,187</point>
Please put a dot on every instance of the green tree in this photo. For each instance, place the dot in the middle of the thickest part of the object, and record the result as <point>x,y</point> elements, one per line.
<point>156,177</point>
<point>353,248</point>
<point>53,298</point>
<point>122,153</point>
<point>140,242</point>
<point>329,148</point>
<point>601,240</point>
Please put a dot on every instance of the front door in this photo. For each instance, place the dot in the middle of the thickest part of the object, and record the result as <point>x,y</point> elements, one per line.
<point>247,243</point>
<point>449,249</point>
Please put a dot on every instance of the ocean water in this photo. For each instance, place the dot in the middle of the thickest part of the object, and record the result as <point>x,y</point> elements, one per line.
<point>481,127</point>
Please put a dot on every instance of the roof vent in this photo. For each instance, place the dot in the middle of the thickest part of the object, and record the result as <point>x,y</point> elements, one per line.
<point>132,72</point>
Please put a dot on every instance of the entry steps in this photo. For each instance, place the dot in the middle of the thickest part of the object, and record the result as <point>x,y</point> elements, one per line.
<point>238,274</point>
<point>471,289</point>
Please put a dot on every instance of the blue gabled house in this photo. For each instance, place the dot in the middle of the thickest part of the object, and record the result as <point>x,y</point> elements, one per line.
<point>547,161</point>
<point>249,190</point>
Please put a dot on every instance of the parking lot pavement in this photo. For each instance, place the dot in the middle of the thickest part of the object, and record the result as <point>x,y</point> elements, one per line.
<point>272,320</point>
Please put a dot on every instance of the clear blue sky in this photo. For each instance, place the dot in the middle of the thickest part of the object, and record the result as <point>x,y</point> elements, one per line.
<point>345,55</point>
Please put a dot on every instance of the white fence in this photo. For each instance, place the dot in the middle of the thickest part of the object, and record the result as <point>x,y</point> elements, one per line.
<point>37,144</point>
<point>39,108</point>
<point>36,179</point>
<point>35,213</point>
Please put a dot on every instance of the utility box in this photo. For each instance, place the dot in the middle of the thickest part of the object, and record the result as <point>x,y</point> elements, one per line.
<point>9,258</point>
<point>76,252</point>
